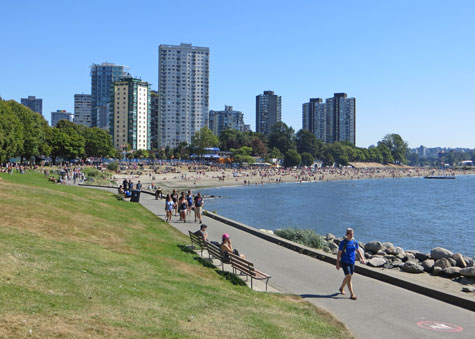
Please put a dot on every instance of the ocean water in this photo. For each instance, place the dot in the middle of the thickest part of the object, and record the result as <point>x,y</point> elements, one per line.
<point>413,213</point>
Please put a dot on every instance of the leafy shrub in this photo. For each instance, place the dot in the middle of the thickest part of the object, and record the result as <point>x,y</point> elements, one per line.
<point>305,237</point>
<point>91,172</point>
<point>113,166</point>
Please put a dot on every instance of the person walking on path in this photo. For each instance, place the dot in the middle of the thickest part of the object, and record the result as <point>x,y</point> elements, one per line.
<point>198,206</point>
<point>346,260</point>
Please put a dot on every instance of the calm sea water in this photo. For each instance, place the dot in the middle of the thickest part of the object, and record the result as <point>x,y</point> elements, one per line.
<point>413,213</point>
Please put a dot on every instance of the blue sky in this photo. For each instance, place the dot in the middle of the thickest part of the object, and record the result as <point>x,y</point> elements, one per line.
<point>409,64</point>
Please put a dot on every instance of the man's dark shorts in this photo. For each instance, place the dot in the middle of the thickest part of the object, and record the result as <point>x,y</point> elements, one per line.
<point>347,268</point>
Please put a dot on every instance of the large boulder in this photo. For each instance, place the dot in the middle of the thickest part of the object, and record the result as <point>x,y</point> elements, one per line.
<point>459,260</point>
<point>468,272</point>
<point>439,253</point>
<point>330,237</point>
<point>421,256</point>
<point>373,246</point>
<point>452,271</point>
<point>397,263</point>
<point>376,262</point>
<point>428,265</point>
<point>452,262</point>
<point>442,263</point>
<point>388,247</point>
<point>470,261</point>
<point>437,270</point>
<point>399,253</point>
<point>412,267</point>
<point>409,256</point>
<point>468,289</point>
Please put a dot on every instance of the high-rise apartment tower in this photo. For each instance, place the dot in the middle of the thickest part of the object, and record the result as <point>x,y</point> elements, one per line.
<point>332,120</point>
<point>268,111</point>
<point>130,124</point>
<point>83,109</point>
<point>228,119</point>
<point>183,79</point>
<point>102,78</point>
<point>33,103</point>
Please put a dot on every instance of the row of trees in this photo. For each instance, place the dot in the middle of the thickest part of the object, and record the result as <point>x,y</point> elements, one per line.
<point>294,148</point>
<point>26,134</point>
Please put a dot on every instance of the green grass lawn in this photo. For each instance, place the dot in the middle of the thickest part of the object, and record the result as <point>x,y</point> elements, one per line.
<point>77,262</point>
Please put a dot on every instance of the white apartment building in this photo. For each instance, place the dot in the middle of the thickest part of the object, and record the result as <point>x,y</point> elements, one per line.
<point>183,79</point>
<point>130,123</point>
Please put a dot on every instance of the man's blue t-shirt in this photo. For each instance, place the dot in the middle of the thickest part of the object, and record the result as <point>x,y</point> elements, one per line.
<point>348,256</point>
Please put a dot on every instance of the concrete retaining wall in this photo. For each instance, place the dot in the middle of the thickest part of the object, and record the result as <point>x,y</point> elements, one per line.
<point>363,270</point>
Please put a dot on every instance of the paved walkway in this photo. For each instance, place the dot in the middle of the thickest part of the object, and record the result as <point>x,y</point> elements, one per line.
<point>381,311</point>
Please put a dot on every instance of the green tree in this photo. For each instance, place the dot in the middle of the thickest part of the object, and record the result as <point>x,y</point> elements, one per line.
<point>66,143</point>
<point>98,143</point>
<point>11,132</point>
<point>397,146</point>
<point>242,154</point>
<point>275,154</point>
<point>291,158</point>
<point>282,137</point>
<point>202,139</point>
<point>307,143</point>
<point>385,152</point>
<point>375,155</point>
<point>307,159</point>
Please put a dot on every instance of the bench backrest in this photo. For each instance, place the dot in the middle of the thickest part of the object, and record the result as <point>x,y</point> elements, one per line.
<point>197,240</point>
<point>215,251</point>
<point>242,264</point>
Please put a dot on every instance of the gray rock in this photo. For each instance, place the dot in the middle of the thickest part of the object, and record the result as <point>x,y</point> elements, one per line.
<point>468,272</point>
<point>439,253</point>
<point>412,267</point>
<point>442,263</point>
<point>428,265</point>
<point>459,259</point>
<point>376,262</point>
<point>409,256</point>
<point>381,253</point>
<point>373,246</point>
<point>468,289</point>
<point>421,256</point>
<point>332,245</point>
<point>437,270</point>
<point>397,263</point>
<point>452,271</point>
<point>466,281</point>
<point>470,261</point>
<point>388,247</point>
<point>334,250</point>
<point>452,262</point>
<point>330,237</point>
<point>388,266</point>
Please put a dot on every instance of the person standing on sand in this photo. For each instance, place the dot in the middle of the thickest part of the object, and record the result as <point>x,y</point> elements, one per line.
<point>346,260</point>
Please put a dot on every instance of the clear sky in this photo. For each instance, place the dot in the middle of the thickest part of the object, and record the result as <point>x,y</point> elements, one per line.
<point>409,64</point>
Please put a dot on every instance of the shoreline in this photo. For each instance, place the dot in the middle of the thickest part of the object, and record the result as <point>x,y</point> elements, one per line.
<point>201,177</point>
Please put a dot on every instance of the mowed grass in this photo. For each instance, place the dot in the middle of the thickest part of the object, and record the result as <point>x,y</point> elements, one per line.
<point>77,262</point>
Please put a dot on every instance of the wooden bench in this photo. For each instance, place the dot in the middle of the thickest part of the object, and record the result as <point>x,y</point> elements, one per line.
<point>247,268</point>
<point>216,253</point>
<point>198,241</point>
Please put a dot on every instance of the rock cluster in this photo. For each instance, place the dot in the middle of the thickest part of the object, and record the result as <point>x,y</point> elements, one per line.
<point>439,261</point>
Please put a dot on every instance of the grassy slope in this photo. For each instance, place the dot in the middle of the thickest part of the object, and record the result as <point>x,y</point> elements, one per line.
<point>76,262</point>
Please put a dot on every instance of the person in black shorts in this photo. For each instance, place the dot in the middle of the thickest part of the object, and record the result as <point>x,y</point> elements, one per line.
<point>346,260</point>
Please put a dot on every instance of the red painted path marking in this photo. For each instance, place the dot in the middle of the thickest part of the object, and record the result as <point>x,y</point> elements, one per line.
<point>439,326</point>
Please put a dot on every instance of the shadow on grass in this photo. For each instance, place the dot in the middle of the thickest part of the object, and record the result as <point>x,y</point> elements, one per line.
<point>233,278</point>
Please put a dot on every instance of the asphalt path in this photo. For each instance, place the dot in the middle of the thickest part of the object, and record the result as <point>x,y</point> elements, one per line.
<point>381,311</point>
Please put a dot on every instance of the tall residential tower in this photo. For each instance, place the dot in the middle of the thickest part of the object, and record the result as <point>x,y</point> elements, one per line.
<point>102,78</point>
<point>268,111</point>
<point>183,79</point>
<point>33,103</point>
<point>130,124</point>
<point>82,109</point>
<point>332,120</point>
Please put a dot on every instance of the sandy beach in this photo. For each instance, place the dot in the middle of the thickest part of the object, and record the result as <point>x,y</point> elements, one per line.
<point>183,177</point>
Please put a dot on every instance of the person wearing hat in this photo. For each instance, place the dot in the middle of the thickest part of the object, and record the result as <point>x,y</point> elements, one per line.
<point>202,232</point>
<point>226,246</point>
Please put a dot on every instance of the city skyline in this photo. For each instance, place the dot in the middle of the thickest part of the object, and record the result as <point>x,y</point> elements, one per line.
<point>414,79</point>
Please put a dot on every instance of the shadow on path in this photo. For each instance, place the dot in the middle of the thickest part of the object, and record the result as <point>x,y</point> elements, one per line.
<point>324,296</point>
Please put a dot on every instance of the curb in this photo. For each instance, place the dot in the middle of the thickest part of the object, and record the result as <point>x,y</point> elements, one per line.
<point>363,270</point>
